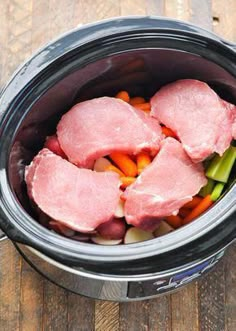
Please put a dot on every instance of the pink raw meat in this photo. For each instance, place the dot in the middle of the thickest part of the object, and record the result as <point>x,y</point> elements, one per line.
<point>170,181</point>
<point>30,170</point>
<point>81,199</point>
<point>202,121</point>
<point>98,127</point>
<point>231,110</point>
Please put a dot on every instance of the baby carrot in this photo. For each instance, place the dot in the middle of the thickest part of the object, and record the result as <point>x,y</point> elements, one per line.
<point>136,101</point>
<point>125,163</point>
<point>193,203</point>
<point>115,169</point>
<point>144,106</point>
<point>123,95</point>
<point>183,212</point>
<point>174,221</point>
<point>168,132</point>
<point>122,197</point>
<point>126,181</point>
<point>143,160</point>
<point>199,209</point>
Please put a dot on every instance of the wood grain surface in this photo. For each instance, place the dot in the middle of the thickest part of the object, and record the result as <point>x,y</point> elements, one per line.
<point>30,303</point>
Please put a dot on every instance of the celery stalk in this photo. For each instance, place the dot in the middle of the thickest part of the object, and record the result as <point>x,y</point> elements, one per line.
<point>217,191</point>
<point>221,166</point>
<point>207,189</point>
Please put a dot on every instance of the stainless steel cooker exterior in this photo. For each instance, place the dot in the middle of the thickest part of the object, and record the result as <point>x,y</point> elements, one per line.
<point>115,287</point>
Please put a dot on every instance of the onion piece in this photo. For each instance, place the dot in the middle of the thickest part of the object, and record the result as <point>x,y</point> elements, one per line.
<point>134,235</point>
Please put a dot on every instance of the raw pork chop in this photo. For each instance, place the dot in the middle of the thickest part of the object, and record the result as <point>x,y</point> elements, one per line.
<point>98,127</point>
<point>82,199</point>
<point>170,181</point>
<point>202,121</point>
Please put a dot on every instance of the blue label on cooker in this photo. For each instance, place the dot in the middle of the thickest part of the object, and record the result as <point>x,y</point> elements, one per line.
<point>150,288</point>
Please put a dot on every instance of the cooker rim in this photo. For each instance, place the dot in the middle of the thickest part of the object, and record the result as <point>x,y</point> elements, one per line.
<point>138,250</point>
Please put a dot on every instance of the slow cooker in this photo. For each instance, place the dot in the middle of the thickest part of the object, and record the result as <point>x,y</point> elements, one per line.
<point>138,54</point>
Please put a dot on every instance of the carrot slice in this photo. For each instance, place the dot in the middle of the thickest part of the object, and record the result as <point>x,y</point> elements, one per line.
<point>143,160</point>
<point>123,95</point>
<point>193,203</point>
<point>144,106</point>
<point>168,132</point>
<point>199,209</point>
<point>136,101</point>
<point>126,181</point>
<point>115,169</point>
<point>174,221</point>
<point>125,163</point>
<point>183,212</point>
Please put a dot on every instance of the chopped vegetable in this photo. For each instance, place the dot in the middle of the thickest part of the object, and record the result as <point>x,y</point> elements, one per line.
<point>126,181</point>
<point>183,212</point>
<point>97,239</point>
<point>125,163</point>
<point>136,101</point>
<point>168,132</point>
<point>101,164</point>
<point>174,221</point>
<point>85,237</point>
<point>216,193</point>
<point>120,209</point>
<point>61,228</point>
<point>53,145</point>
<point>115,169</point>
<point>134,235</point>
<point>143,160</point>
<point>221,166</point>
<point>114,229</point>
<point>199,209</point>
<point>144,106</point>
<point>193,203</point>
<point>163,228</point>
<point>207,189</point>
<point>123,95</point>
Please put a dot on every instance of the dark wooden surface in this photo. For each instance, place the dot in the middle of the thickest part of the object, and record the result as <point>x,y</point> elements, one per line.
<point>27,301</point>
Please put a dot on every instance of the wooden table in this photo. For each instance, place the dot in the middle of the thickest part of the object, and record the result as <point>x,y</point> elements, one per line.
<point>27,301</point>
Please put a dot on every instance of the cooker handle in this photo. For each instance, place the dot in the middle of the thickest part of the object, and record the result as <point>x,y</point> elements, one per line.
<point>2,236</point>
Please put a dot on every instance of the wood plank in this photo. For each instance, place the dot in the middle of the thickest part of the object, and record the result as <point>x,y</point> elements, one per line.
<point>95,10</point>
<point>184,306</point>
<point>230,289</point>
<point>212,299</point>
<point>61,17</point>
<point>106,316</point>
<point>201,14</point>
<point>134,316</point>
<point>80,313</point>
<point>55,313</point>
<point>160,313</point>
<point>130,7</point>
<point>177,9</point>
<point>15,29</point>
<point>154,7</point>
<point>224,18</point>
<point>31,300</point>
<point>3,40</point>
<point>19,33</point>
<point>10,283</point>
<point>40,32</point>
